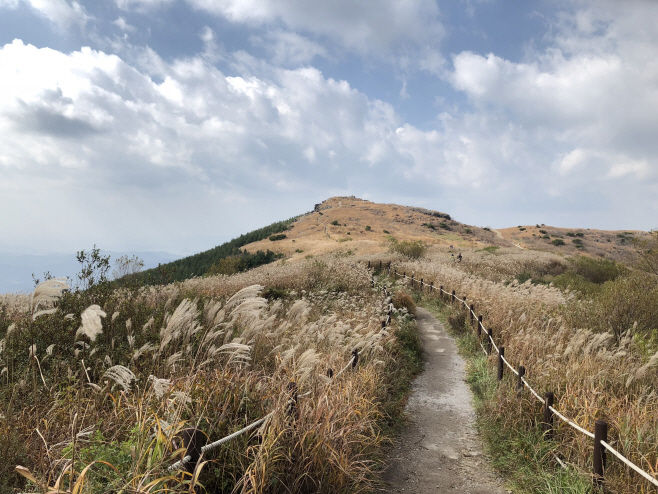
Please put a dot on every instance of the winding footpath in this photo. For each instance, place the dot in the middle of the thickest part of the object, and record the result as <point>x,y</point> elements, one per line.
<point>440,451</point>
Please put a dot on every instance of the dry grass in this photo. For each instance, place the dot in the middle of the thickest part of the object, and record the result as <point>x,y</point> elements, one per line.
<point>594,374</point>
<point>208,353</point>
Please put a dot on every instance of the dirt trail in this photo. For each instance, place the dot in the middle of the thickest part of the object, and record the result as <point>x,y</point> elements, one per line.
<point>440,451</point>
<point>500,235</point>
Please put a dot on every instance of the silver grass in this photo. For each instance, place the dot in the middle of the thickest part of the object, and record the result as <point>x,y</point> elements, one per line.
<point>148,324</point>
<point>148,347</point>
<point>247,292</point>
<point>108,361</point>
<point>115,315</point>
<point>120,375</point>
<point>2,345</point>
<point>91,323</point>
<point>642,371</point>
<point>48,291</point>
<point>43,313</point>
<point>10,329</point>
<point>239,353</point>
<point>129,325</point>
<point>181,323</point>
<point>32,351</point>
<point>306,364</point>
<point>173,359</point>
<point>160,386</point>
<point>131,341</point>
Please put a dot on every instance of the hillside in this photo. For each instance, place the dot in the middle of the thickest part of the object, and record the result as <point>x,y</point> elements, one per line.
<point>340,224</point>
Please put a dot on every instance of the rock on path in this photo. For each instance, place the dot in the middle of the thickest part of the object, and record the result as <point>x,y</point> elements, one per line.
<point>440,451</point>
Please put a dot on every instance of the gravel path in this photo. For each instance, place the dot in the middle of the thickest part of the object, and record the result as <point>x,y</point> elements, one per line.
<point>440,451</point>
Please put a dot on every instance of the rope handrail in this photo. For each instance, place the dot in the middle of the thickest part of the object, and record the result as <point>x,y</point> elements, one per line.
<point>630,463</point>
<point>219,442</point>
<point>607,446</point>
<point>571,423</point>
<point>509,365</point>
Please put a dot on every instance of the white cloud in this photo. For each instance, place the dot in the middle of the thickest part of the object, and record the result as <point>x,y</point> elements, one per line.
<point>121,23</point>
<point>366,28</point>
<point>289,49</point>
<point>61,12</point>
<point>142,5</point>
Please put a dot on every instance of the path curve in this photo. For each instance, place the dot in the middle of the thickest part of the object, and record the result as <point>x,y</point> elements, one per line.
<point>500,235</point>
<point>440,451</point>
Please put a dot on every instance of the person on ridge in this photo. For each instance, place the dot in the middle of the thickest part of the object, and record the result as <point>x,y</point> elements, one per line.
<point>452,257</point>
<point>459,257</point>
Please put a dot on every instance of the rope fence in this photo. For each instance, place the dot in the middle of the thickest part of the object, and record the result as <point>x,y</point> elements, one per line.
<point>601,427</point>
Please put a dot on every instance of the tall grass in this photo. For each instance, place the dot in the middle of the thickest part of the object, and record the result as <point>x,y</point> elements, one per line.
<point>597,353</point>
<point>122,377</point>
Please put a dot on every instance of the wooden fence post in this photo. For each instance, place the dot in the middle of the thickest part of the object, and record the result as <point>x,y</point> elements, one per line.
<point>431,287</point>
<point>368,264</point>
<point>548,415</point>
<point>464,301</point>
<point>330,373</point>
<point>412,281</point>
<point>452,300</point>
<point>479,327</point>
<point>441,292</point>
<point>422,287</point>
<point>501,364</point>
<point>355,354</point>
<point>380,265</point>
<point>519,384</point>
<point>600,434</point>
<point>192,442</point>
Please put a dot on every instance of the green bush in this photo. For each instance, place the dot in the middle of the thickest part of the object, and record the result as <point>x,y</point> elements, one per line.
<point>580,234</point>
<point>597,270</point>
<point>486,228</point>
<point>543,231</point>
<point>444,226</point>
<point>385,231</point>
<point>409,248</point>
<point>368,228</point>
<point>571,234</point>
<point>557,241</point>
<point>468,230</point>
<point>335,223</point>
<point>280,236</point>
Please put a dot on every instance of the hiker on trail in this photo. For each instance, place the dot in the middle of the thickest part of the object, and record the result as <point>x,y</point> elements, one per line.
<point>452,257</point>
<point>459,257</point>
<point>451,247</point>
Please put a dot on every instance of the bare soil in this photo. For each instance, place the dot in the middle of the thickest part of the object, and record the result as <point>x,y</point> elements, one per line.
<point>440,451</point>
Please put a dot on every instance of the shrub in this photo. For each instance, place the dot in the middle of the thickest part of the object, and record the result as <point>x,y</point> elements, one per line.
<point>457,321</point>
<point>577,241</point>
<point>299,251</point>
<point>597,270</point>
<point>487,228</point>
<point>468,230</point>
<point>545,236</point>
<point>522,229</point>
<point>409,248</point>
<point>429,225</point>
<point>335,223</point>
<point>402,300</point>
<point>280,236</point>
<point>571,234</point>
<point>580,234</point>
<point>385,231</point>
<point>368,228</point>
<point>543,231</point>
<point>557,241</point>
<point>444,226</point>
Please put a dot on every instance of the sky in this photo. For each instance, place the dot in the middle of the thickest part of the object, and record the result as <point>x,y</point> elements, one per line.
<point>176,125</point>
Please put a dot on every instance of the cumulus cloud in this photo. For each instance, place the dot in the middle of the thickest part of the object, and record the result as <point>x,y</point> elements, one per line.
<point>408,31</point>
<point>289,49</point>
<point>587,104</point>
<point>61,12</point>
